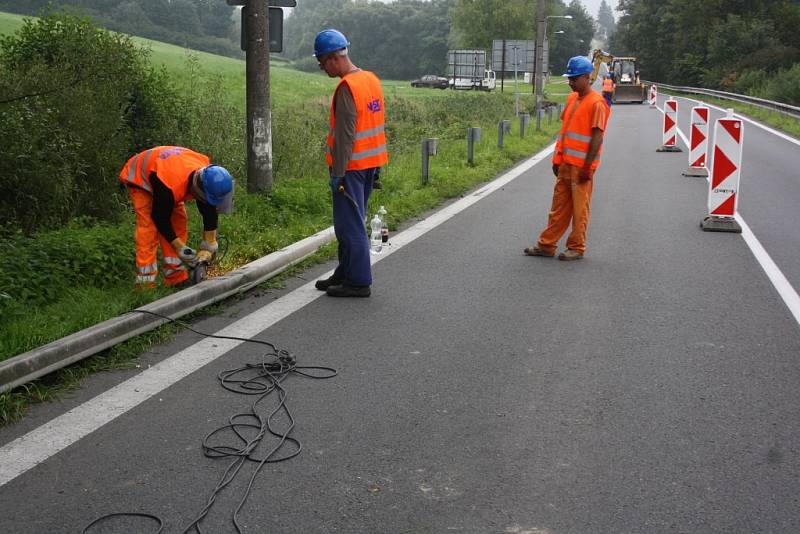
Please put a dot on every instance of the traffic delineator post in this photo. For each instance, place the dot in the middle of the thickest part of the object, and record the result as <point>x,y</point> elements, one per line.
<point>723,188</point>
<point>653,96</point>
<point>698,143</point>
<point>670,127</point>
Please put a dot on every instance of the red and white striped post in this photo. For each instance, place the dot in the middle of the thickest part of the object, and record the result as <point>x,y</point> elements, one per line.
<point>725,171</point>
<point>698,143</point>
<point>653,96</point>
<point>670,127</point>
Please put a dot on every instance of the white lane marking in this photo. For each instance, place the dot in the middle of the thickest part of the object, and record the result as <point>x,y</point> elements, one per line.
<point>747,119</point>
<point>782,285</point>
<point>775,275</point>
<point>38,445</point>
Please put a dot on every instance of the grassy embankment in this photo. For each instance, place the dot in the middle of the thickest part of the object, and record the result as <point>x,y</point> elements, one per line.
<point>298,206</point>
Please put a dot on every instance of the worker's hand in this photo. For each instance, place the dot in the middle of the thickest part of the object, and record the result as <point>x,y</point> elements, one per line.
<point>205,255</point>
<point>584,175</point>
<point>186,253</point>
<point>555,169</point>
<point>209,242</point>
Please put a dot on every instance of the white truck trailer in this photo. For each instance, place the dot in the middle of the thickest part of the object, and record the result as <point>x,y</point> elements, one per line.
<point>466,69</point>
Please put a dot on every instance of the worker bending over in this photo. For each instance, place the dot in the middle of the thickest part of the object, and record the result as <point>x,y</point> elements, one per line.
<point>575,160</point>
<point>159,181</point>
<point>355,151</point>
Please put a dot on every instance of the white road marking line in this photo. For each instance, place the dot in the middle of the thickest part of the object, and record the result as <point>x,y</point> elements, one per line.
<point>773,272</point>
<point>747,119</point>
<point>38,445</point>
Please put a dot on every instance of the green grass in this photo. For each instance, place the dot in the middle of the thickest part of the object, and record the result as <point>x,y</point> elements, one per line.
<point>299,204</point>
<point>10,23</point>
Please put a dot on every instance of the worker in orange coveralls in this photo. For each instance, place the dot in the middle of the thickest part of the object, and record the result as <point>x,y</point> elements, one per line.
<point>159,181</point>
<point>608,89</point>
<point>576,158</point>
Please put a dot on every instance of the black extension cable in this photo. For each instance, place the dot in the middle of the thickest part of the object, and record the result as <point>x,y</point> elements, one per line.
<point>249,428</point>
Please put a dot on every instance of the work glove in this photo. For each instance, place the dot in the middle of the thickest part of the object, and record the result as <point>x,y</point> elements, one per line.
<point>204,255</point>
<point>555,169</point>
<point>186,253</point>
<point>209,242</point>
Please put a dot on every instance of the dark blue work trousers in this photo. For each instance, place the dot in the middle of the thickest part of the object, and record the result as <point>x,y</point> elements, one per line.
<point>349,215</point>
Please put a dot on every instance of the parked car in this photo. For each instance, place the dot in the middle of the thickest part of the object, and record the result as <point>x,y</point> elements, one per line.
<point>430,80</point>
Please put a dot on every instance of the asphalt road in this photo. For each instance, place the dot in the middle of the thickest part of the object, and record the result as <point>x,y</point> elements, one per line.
<point>650,388</point>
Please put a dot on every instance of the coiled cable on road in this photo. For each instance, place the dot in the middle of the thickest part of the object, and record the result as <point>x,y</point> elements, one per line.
<point>247,429</point>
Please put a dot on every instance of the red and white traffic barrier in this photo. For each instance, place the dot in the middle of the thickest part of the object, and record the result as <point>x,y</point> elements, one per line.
<point>653,96</point>
<point>670,126</point>
<point>698,142</point>
<point>726,167</point>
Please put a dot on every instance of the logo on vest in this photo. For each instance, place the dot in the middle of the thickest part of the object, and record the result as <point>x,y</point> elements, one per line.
<point>174,151</point>
<point>374,106</point>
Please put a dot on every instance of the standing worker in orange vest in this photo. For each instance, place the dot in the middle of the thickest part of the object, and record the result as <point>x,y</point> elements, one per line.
<point>159,181</point>
<point>576,158</point>
<point>355,151</point>
<point>608,89</point>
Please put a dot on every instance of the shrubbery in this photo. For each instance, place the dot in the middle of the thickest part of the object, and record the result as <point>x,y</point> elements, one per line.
<point>784,86</point>
<point>75,101</point>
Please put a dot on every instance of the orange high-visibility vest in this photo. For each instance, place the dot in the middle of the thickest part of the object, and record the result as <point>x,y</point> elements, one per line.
<point>369,146</point>
<point>572,145</point>
<point>172,164</point>
<point>608,86</point>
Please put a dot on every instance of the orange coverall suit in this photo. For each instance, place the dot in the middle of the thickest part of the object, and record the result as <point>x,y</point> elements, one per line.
<point>173,166</point>
<point>571,198</point>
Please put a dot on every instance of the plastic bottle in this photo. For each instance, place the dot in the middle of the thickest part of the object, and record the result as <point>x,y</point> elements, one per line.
<point>384,226</point>
<point>375,243</point>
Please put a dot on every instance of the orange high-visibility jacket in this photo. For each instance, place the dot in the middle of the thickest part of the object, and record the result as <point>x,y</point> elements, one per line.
<point>608,85</point>
<point>369,146</point>
<point>572,145</point>
<point>172,164</point>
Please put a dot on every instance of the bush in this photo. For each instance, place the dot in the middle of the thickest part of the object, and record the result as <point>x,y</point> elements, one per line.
<point>75,103</point>
<point>784,87</point>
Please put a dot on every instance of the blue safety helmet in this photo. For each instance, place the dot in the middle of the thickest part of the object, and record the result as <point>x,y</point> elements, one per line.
<point>218,187</point>
<point>328,41</point>
<point>578,66</point>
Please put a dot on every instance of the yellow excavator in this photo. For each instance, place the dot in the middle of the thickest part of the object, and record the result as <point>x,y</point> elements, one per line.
<point>625,73</point>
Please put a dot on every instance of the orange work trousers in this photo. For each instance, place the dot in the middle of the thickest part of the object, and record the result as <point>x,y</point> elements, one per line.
<point>148,239</point>
<point>571,203</point>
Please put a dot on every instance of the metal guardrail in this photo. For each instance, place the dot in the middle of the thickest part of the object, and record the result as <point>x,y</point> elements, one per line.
<point>23,368</point>
<point>793,111</point>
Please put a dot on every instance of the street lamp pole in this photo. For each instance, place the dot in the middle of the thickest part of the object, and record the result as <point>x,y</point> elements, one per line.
<point>541,36</point>
<point>541,27</point>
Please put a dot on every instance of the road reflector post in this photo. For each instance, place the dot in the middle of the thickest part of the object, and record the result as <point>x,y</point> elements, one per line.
<point>503,127</point>
<point>723,188</point>
<point>653,96</point>
<point>698,143</point>
<point>670,127</point>
<point>524,120</point>
<point>429,148</point>
<point>473,136</point>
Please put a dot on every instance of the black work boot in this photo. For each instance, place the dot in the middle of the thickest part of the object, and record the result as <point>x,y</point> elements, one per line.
<point>346,290</point>
<point>322,285</point>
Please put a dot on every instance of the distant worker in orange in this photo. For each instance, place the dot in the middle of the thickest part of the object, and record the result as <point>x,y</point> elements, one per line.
<point>160,181</point>
<point>355,151</point>
<point>576,158</point>
<point>608,88</point>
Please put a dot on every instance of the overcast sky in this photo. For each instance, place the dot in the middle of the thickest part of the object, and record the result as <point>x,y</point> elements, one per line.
<point>593,5</point>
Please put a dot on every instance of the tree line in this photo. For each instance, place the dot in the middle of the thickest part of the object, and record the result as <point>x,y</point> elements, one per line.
<point>408,38</point>
<point>750,47</point>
